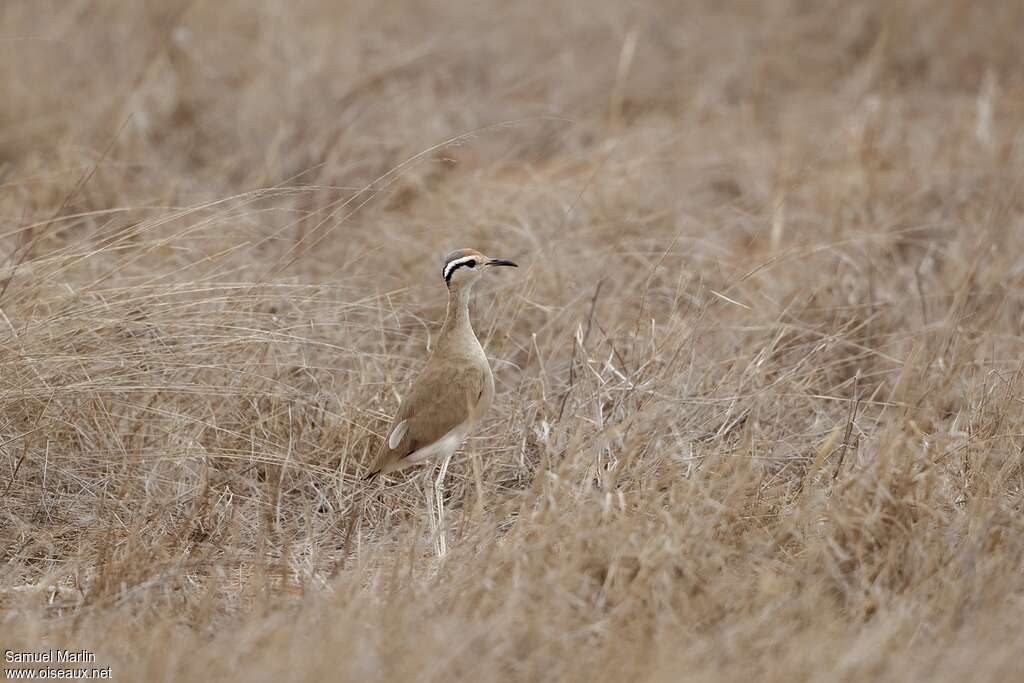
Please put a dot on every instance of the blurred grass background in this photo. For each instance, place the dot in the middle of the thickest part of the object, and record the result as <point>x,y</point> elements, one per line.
<point>758,408</point>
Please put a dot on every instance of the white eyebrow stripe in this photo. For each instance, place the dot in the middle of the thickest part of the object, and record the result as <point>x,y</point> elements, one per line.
<point>452,265</point>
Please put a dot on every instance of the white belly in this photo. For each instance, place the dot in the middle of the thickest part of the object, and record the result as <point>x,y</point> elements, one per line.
<point>442,448</point>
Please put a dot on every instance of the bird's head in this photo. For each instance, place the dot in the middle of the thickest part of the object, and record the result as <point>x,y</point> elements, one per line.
<point>462,267</point>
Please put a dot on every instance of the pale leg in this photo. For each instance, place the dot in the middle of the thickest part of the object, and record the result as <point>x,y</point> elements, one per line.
<point>440,529</point>
<point>424,486</point>
<point>478,480</point>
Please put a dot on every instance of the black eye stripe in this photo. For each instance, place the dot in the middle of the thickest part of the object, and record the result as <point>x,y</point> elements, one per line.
<point>452,267</point>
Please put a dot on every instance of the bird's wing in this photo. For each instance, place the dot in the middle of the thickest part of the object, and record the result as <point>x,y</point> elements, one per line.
<point>440,399</point>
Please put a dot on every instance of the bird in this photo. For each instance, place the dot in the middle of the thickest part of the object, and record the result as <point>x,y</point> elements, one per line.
<point>455,387</point>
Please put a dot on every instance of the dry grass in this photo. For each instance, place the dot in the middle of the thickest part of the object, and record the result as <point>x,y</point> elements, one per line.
<point>759,386</point>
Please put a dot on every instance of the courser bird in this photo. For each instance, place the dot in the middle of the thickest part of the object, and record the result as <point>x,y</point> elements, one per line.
<point>454,389</point>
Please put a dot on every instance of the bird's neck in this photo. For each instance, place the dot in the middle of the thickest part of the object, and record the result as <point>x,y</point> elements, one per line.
<point>456,320</point>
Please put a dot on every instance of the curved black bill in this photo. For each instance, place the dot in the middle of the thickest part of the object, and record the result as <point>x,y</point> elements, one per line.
<point>501,262</point>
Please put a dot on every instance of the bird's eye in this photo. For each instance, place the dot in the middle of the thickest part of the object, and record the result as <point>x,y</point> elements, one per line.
<point>471,264</point>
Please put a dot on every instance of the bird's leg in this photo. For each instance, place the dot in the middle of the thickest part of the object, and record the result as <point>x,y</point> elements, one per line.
<point>441,540</point>
<point>428,497</point>
<point>478,480</point>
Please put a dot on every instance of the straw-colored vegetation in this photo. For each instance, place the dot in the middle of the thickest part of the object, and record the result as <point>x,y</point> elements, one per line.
<point>760,384</point>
